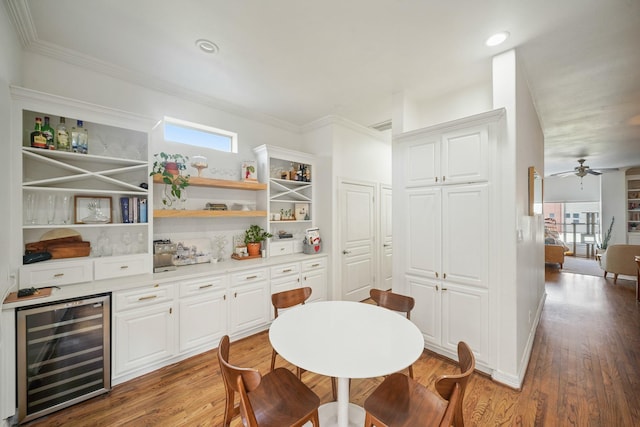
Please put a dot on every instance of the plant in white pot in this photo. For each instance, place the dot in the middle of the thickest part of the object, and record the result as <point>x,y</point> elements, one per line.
<point>253,238</point>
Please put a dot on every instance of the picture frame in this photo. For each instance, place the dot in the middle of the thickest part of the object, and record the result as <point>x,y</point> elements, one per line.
<point>301,211</point>
<point>92,210</point>
<point>249,171</point>
<point>535,192</point>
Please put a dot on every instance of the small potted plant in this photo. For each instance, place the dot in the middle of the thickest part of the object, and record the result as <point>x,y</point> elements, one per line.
<point>168,166</point>
<point>253,237</point>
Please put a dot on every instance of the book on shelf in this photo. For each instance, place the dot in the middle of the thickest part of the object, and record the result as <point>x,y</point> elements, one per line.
<point>133,210</point>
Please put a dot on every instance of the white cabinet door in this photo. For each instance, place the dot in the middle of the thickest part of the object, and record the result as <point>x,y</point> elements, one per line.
<point>426,313</point>
<point>203,320</point>
<point>249,306</point>
<point>465,234</point>
<point>317,281</point>
<point>422,231</point>
<point>465,317</point>
<point>143,336</point>
<point>465,155</point>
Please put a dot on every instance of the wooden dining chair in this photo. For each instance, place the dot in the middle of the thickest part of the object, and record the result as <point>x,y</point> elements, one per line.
<point>388,405</point>
<point>277,399</point>
<point>287,299</point>
<point>396,302</point>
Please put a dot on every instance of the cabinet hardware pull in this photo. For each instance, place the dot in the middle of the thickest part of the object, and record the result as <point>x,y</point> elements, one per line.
<point>315,265</point>
<point>235,295</point>
<point>147,297</point>
<point>437,289</point>
<point>346,252</point>
<point>58,275</point>
<point>156,285</point>
<point>437,275</point>
<point>170,310</point>
<point>444,276</point>
<point>206,286</point>
<point>282,249</point>
<point>444,289</point>
<point>124,267</point>
<point>288,270</point>
<point>224,297</point>
<point>251,277</point>
<point>298,279</point>
<point>305,278</point>
<point>436,179</point>
<point>443,178</point>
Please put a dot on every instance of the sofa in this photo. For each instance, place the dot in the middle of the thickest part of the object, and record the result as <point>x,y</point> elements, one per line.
<point>620,259</point>
<point>554,254</point>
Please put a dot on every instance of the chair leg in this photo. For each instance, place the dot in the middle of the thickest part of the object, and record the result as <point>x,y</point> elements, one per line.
<point>334,389</point>
<point>273,360</point>
<point>615,278</point>
<point>411,371</point>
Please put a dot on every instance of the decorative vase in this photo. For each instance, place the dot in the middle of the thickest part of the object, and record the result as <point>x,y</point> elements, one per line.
<point>172,168</point>
<point>253,249</point>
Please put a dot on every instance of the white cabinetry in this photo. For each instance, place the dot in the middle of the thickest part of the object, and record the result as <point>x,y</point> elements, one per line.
<point>144,327</point>
<point>114,168</point>
<point>442,223</point>
<point>249,300</point>
<point>203,312</point>
<point>311,273</point>
<point>289,203</point>
<point>633,206</point>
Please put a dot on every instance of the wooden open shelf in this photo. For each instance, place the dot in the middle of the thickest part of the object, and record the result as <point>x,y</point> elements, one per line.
<point>175,213</point>
<point>219,183</point>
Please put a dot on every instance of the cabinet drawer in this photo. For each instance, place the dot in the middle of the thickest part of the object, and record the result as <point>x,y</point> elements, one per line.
<point>56,273</point>
<point>314,264</point>
<point>130,265</point>
<point>143,297</point>
<point>285,270</point>
<point>202,286</point>
<point>249,276</point>
<point>280,248</point>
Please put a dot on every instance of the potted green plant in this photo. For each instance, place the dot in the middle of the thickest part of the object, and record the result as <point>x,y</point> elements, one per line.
<point>253,238</point>
<point>168,166</point>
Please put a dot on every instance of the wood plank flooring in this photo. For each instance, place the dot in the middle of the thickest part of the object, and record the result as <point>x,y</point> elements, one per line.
<point>584,371</point>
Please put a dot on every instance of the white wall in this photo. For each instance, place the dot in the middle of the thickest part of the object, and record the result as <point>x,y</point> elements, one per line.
<point>10,73</point>
<point>570,189</point>
<point>521,284</point>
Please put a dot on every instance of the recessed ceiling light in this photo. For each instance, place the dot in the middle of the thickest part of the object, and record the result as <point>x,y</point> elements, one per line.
<point>207,46</point>
<point>497,38</point>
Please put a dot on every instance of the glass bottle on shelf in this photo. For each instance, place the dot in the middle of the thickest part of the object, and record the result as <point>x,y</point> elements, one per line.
<point>38,140</point>
<point>48,133</point>
<point>79,138</point>
<point>62,136</point>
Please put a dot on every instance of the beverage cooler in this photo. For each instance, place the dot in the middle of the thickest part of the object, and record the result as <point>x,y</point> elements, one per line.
<point>63,355</point>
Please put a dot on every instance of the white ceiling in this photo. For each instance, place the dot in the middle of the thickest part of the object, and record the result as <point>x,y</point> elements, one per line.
<point>299,60</point>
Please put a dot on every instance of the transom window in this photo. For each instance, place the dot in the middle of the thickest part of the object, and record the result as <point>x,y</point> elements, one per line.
<point>198,135</point>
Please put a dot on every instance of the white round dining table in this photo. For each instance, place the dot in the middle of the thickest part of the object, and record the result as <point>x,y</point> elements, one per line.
<point>345,340</point>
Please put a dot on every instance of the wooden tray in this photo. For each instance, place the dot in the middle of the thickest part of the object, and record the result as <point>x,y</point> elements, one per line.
<point>40,293</point>
<point>242,258</point>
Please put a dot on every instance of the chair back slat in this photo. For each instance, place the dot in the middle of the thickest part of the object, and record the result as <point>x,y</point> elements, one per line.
<point>393,301</point>
<point>446,384</point>
<point>286,299</point>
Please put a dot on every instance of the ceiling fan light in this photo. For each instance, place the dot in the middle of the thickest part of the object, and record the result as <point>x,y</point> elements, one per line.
<point>497,39</point>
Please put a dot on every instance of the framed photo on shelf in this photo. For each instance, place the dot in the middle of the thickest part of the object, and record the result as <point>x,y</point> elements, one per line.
<point>302,211</point>
<point>91,210</point>
<point>249,170</point>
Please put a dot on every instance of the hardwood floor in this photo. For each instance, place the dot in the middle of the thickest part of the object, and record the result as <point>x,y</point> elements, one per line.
<point>584,371</point>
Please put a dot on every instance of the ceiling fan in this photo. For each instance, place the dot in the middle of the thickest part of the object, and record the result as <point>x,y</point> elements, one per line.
<point>582,170</point>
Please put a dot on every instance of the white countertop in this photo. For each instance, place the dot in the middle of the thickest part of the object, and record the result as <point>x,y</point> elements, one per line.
<point>180,273</point>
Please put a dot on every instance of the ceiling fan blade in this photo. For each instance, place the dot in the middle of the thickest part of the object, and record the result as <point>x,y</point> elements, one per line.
<point>592,172</point>
<point>563,174</point>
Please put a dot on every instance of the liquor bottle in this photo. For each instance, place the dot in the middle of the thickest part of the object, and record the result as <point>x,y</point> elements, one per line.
<point>62,136</point>
<point>48,133</point>
<point>300,173</point>
<point>38,140</point>
<point>79,138</point>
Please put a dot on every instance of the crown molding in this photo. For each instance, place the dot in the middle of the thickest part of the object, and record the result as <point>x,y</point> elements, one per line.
<point>342,121</point>
<point>20,16</point>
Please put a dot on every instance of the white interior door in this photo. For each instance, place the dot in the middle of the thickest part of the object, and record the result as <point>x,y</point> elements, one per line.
<point>386,238</point>
<point>357,239</point>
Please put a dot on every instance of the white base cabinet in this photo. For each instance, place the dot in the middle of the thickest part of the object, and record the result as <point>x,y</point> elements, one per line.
<point>249,300</point>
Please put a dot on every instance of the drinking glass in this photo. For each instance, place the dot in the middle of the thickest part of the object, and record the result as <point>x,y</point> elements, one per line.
<point>66,209</point>
<point>30,208</point>
<point>51,208</point>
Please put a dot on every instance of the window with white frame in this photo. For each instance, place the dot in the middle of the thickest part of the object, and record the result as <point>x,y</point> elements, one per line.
<point>198,135</point>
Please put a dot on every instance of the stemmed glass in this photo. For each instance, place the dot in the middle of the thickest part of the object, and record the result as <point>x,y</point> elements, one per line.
<point>51,208</point>
<point>30,208</point>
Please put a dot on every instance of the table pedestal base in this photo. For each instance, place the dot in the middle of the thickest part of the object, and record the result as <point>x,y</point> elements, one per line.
<point>328,414</point>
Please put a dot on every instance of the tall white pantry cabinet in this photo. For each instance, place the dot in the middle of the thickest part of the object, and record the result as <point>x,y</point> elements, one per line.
<point>442,210</point>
